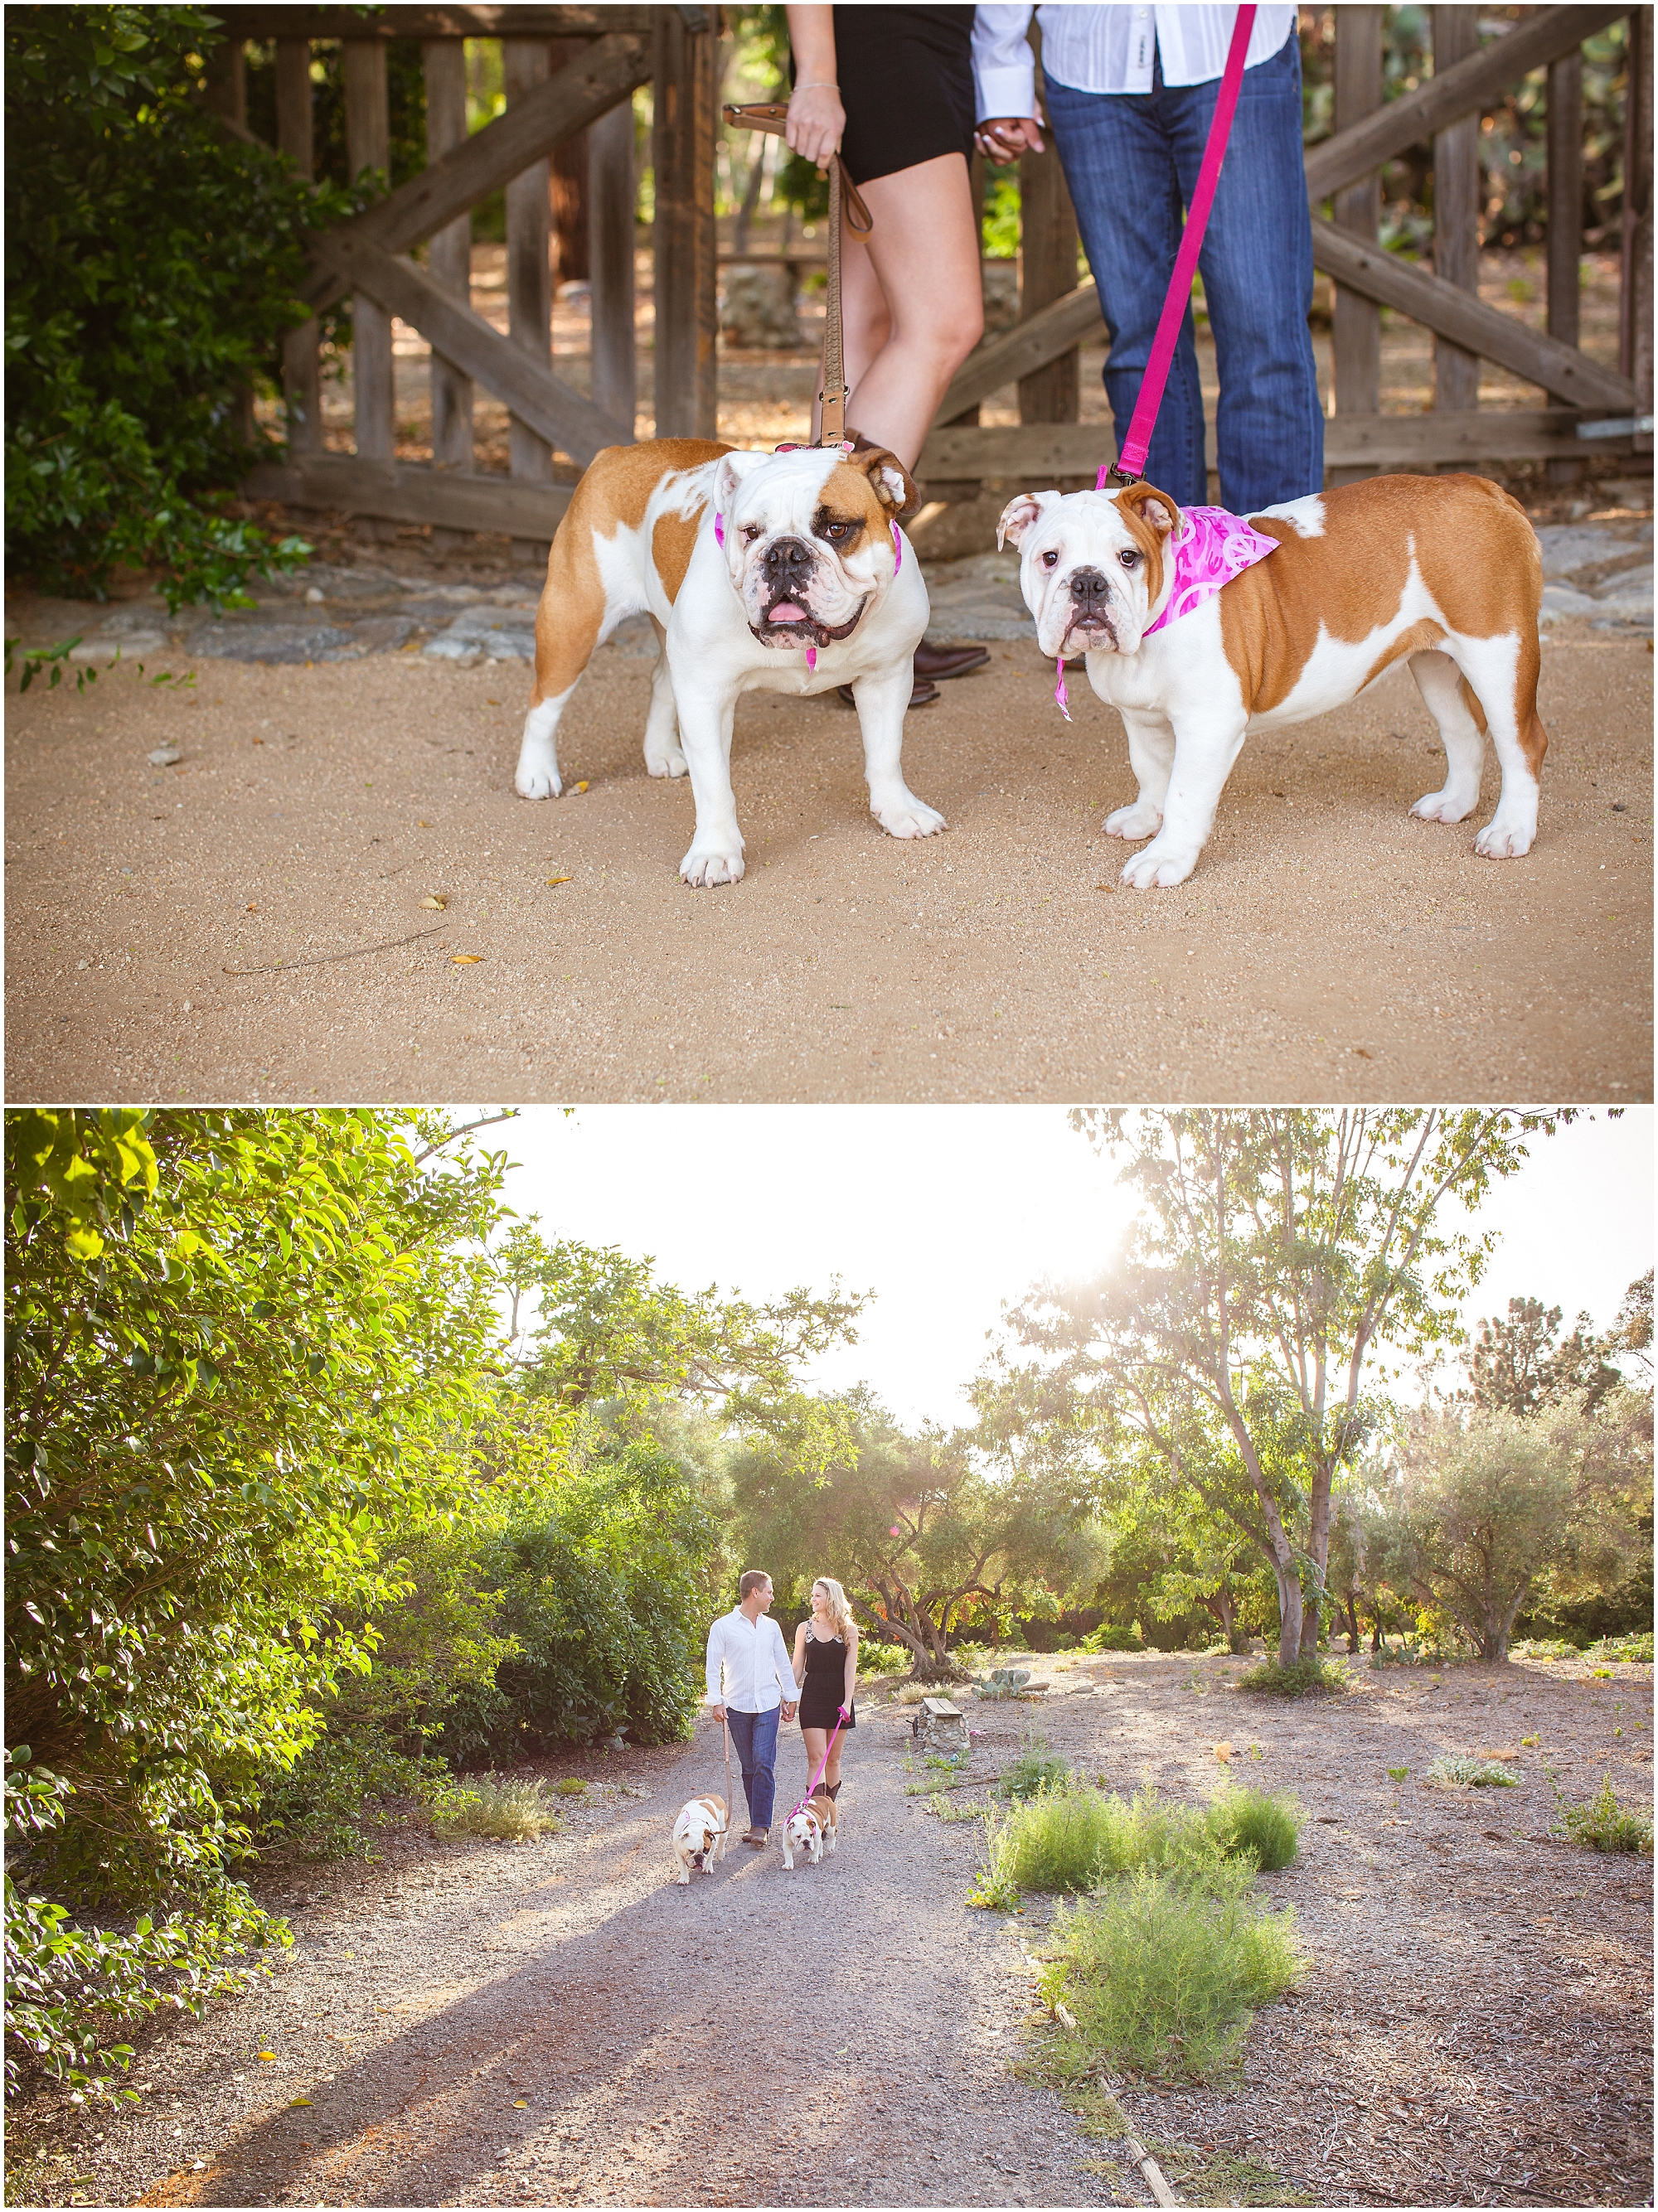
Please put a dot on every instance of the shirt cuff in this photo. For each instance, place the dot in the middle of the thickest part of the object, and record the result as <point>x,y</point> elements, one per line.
<point>1007,91</point>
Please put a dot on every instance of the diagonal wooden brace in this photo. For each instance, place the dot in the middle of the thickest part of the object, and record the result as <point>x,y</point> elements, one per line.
<point>583,90</point>
<point>541,401</point>
<point>1456,315</point>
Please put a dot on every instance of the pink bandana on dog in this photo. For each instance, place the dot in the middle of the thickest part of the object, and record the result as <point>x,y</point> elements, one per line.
<point>1210,548</point>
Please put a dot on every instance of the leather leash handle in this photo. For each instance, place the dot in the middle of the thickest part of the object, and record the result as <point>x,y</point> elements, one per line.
<point>831,400</point>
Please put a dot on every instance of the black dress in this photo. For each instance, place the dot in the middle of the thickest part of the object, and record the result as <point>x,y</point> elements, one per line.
<point>825,1683</point>
<point>906,83</point>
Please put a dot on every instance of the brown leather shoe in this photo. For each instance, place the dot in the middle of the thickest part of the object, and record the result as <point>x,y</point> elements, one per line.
<point>759,1837</point>
<point>923,695</point>
<point>934,663</point>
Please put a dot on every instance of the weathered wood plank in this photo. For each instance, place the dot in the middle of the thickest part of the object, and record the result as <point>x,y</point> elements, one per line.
<point>582,91</point>
<point>1452,314</point>
<point>1456,209</point>
<point>526,67</point>
<point>1564,248</point>
<point>552,22</point>
<point>612,192</point>
<point>448,259</point>
<point>1047,270</point>
<point>564,417</point>
<point>1471,85</point>
<point>1356,336</point>
<point>401,491</point>
<point>686,125</point>
<point>1636,300</point>
<point>302,375</point>
<point>1365,442</point>
<point>369,146</point>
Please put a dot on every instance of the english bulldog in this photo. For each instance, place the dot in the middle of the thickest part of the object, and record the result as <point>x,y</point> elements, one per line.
<point>1442,571</point>
<point>699,1836</point>
<point>813,1830</point>
<point>781,572</point>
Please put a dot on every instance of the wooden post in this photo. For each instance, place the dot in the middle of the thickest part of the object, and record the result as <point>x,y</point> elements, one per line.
<point>449,263</point>
<point>611,198</point>
<point>1456,210</point>
<point>224,93</point>
<point>1047,270</point>
<point>685,247</point>
<point>301,379</point>
<point>1356,338</point>
<point>369,146</point>
<point>1566,216</point>
<point>568,166</point>
<point>1635,338</point>
<point>529,275</point>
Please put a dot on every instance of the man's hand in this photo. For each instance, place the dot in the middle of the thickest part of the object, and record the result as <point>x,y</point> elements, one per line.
<point>788,1710</point>
<point>718,1711</point>
<point>1003,138</point>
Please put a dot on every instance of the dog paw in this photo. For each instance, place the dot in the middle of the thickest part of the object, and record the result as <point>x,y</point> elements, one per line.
<point>1441,806</point>
<point>703,870</point>
<point>537,783</point>
<point>673,762</point>
<point>1157,871</point>
<point>910,816</point>
<point>1134,822</point>
<point>1504,840</point>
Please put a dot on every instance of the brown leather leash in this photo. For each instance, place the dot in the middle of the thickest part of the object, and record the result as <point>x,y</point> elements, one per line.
<point>766,115</point>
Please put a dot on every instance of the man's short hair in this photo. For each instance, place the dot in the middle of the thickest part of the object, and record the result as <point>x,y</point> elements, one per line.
<point>751,1579</point>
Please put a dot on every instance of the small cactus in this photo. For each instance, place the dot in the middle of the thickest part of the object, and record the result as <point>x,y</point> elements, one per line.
<point>1003,1682</point>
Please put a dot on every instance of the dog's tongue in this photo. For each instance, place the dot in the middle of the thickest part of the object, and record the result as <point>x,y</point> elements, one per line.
<point>787,612</point>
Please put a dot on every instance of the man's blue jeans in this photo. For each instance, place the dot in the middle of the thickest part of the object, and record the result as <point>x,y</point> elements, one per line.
<point>754,1740</point>
<point>1131,162</point>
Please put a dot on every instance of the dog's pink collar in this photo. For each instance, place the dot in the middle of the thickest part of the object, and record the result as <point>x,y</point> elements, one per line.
<point>1210,547</point>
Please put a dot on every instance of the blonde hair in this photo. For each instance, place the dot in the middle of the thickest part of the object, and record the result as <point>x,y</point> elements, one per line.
<point>839,1612</point>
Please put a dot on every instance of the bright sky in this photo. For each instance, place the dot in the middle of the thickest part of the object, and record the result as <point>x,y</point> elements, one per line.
<point>947,1211</point>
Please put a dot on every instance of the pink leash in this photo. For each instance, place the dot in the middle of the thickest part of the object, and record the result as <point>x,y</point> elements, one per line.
<point>827,1748</point>
<point>1131,461</point>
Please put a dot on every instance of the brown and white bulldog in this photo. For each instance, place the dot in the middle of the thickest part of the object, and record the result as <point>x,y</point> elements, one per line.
<point>785,571</point>
<point>699,1836</point>
<point>1442,571</point>
<point>813,1830</point>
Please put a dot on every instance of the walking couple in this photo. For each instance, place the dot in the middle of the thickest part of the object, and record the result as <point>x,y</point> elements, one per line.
<point>753,1682</point>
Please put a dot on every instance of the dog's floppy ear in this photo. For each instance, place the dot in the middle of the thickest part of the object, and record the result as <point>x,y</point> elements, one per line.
<point>733,468</point>
<point>1018,515</point>
<point>1153,506</point>
<point>891,482</point>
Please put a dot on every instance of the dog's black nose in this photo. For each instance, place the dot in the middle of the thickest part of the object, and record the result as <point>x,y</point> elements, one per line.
<point>1088,587</point>
<point>789,558</point>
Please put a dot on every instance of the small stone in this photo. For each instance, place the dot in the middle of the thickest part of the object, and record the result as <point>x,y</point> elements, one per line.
<point>164,755</point>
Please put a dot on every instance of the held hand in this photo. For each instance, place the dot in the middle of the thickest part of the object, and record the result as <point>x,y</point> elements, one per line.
<point>816,119</point>
<point>789,1710</point>
<point>1002,138</point>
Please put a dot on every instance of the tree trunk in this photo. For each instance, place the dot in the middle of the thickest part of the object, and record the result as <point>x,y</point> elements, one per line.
<point>1375,1629</point>
<point>1352,1623</point>
<point>1318,1545</point>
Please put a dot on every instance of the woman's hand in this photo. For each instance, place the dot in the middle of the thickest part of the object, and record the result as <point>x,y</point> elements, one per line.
<point>816,119</point>
<point>1003,138</point>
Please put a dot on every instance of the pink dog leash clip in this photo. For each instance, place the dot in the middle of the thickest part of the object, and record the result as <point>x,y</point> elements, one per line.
<point>1061,697</point>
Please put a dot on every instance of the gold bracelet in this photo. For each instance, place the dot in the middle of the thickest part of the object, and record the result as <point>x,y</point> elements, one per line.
<point>818,84</point>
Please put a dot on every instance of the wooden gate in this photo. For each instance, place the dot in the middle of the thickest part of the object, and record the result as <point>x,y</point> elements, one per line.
<point>1614,407</point>
<point>673,49</point>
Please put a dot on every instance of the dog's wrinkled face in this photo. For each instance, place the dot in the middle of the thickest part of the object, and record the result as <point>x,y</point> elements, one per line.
<point>1092,565</point>
<point>804,1829</point>
<point>809,540</point>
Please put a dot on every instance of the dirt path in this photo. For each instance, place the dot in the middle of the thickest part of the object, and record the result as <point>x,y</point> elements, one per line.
<point>1325,945</point>
<point>560,2024</point>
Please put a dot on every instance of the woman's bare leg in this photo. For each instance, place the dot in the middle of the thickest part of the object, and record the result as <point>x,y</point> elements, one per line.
<point>831,1772</point>
<point>815,1740</point>
<point>913,302</point>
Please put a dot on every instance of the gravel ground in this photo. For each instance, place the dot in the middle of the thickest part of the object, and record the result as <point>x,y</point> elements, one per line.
<point>261,918</point>
<point>560,2023</point>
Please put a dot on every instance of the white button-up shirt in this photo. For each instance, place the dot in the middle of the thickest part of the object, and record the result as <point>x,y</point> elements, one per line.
<point>759,1674</point>
<point>1109,49</point>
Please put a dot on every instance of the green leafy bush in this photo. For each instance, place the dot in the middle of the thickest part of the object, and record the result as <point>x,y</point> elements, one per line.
<point>1300,1678</point>
<point>1034,1770</point>
<point>501,1805</point>
<point>1073,1839</point>
<point>153,263</point>
<point>328,1804</point>
<point>1604,1824</point>
<point>1464,1773</point>
<point>570,1785</point>
<point>1252,1823</point>
<point>1160,1974</point>
<point>1628,1651</point>
<point>1107,1638</point>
